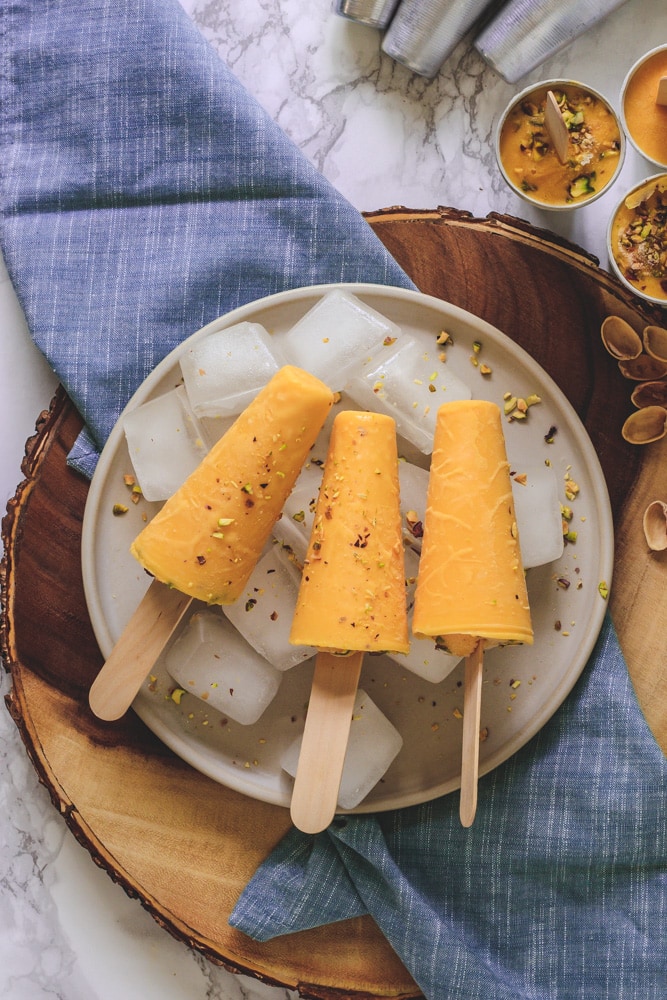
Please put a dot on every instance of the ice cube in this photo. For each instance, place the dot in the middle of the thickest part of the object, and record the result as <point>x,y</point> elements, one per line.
<point>263,613</point>
<point>538,515</point>
<point>373,744</point>
<point>213,662</point>
<point>424,658</point>
<point>165,443</point>
<point>294,527</point>
<point>338,335</point>
<point>413,482</point>
<point>225,370</point>
<point>410,385</point>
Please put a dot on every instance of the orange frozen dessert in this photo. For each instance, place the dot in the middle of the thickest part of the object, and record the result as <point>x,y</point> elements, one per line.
<point>352,593</point>
<point>530,162</point>
<point>645,119</point>
<point>207,538</point>
<point>471,584</point>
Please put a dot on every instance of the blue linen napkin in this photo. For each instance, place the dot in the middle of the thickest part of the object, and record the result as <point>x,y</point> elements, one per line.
<point>144,193</point>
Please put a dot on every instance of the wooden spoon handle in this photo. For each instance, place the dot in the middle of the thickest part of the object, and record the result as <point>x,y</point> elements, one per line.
<point>472,706</point>
<point>325,739</point>
<point>130,661</point>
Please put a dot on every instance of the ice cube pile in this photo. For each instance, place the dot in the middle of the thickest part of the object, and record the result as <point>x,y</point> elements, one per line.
<point>234,659</point>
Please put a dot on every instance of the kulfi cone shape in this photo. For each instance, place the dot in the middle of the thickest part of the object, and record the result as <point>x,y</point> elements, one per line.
<point>471,584</point>
<point>352,592</point>
<point>207,538</point>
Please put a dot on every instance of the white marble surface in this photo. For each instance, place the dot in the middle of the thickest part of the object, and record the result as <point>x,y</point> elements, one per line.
<point>383,137</point>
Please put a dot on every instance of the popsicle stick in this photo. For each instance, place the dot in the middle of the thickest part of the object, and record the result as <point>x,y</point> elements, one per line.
<point>661,97</point>
<point>325,739</point>
<point>556,127</point>
<point>130,661</point>
<point>472,704</point>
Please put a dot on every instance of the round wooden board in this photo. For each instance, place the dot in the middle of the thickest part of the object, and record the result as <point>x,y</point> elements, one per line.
<point>186,846</point>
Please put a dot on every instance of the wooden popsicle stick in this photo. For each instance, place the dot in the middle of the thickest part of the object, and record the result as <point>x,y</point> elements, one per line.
<point>556,127</point>
<point>661,96</point>
<point>472,705</point>
<point>325,737</point>
<point>130,661</point>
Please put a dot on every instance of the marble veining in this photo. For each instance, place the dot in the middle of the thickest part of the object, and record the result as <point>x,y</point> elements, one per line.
<point>383,137</point>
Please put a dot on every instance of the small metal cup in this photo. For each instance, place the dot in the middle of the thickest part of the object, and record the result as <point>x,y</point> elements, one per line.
<point>526,32</point>
<point>424,32</point>
<point>374,13</point>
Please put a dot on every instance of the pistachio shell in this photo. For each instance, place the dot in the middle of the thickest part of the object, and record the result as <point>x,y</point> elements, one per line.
<point>650,394</point>
<point>643,368</point>
<point>655,525</point>
<point>645,425</point>
<point>655,342</point>
<point>620,339</point>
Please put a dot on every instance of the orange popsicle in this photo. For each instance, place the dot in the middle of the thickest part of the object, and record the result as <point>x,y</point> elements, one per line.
<point>471,589</point>
<point>351,598</point>
<point>208,536</point>
<point>352,593</point>
<point>471,586</point>
<point>206,540</point>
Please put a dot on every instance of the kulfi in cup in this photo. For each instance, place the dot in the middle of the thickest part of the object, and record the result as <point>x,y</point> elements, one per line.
<point>637,239</point>
<point>527,157</point>
<point>644,120</point>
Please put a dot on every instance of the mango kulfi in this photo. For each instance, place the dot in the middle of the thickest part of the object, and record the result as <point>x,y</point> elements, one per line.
<point>352,591</point>
<point>207,538</point>
<point>471,585</point>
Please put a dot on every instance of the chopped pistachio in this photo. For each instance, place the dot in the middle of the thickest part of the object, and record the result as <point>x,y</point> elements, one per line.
<point>118,509</point>
<point>176,695</point>
<point>603,590</point>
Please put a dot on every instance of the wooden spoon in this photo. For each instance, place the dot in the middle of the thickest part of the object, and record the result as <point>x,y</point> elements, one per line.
<point>130,661</point>
<point>472,704</point>
<point>661,96</point>
<point>325,737</point>
<point>556,127</point>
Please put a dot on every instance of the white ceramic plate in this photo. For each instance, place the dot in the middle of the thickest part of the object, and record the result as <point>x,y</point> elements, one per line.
<point>523,686</point>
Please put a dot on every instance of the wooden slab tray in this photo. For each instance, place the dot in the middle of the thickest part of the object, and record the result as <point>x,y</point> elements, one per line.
<point>173,838</point>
